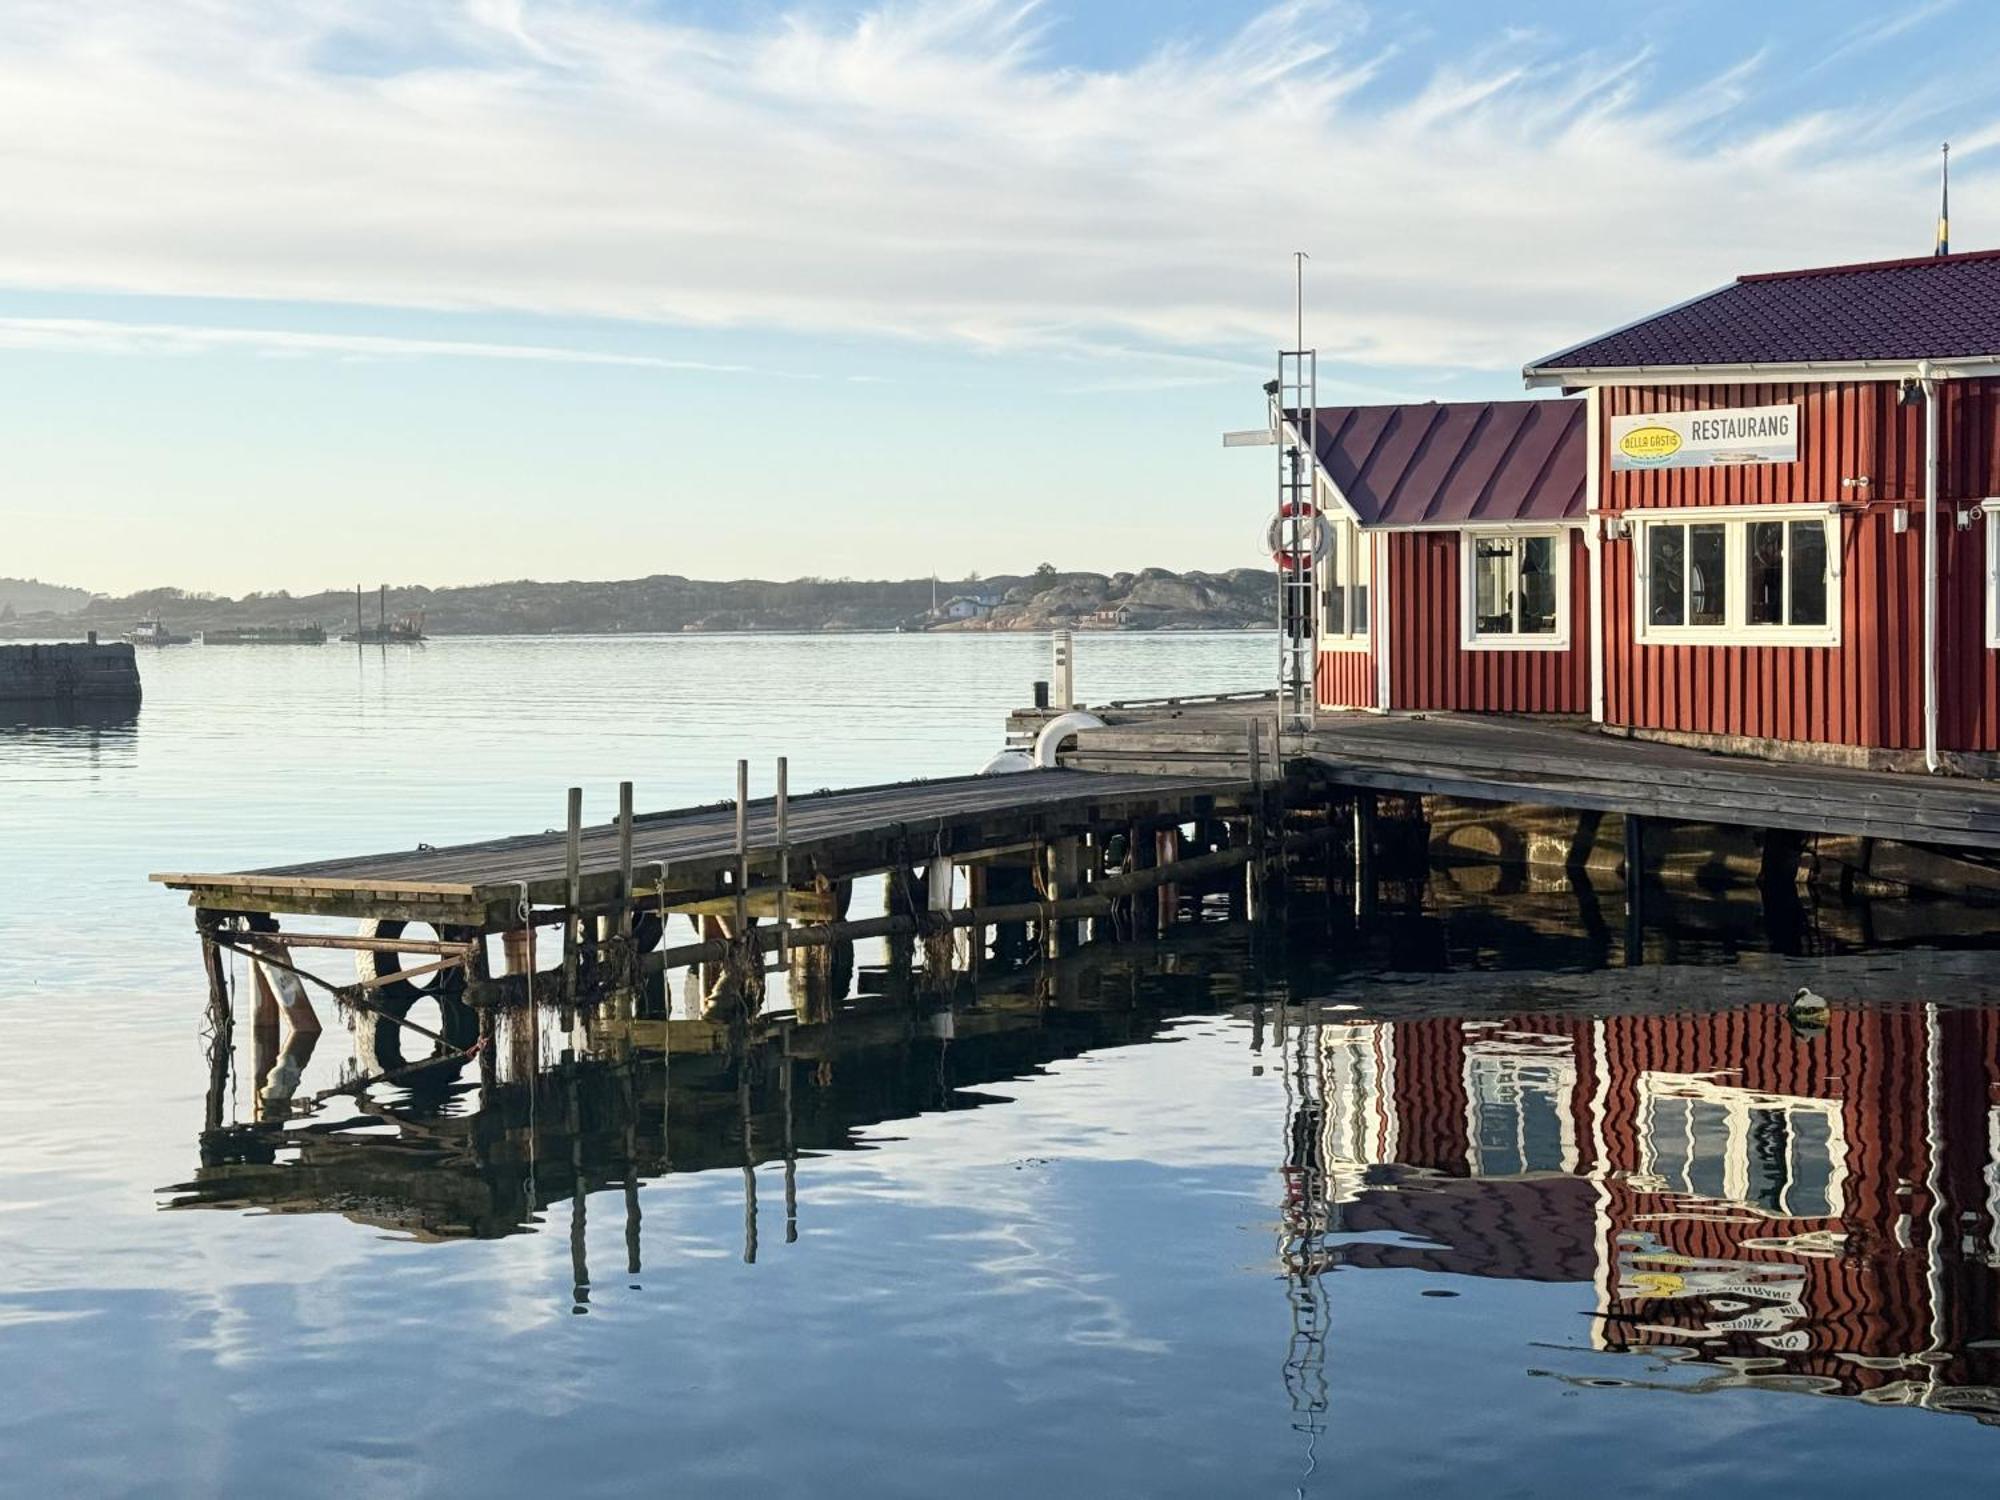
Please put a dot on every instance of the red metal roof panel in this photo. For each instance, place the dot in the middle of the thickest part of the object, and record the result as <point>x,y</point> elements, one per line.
<point>1446,463</point>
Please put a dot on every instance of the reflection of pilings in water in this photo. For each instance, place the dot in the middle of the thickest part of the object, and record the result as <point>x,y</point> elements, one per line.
<point>1303,1249</point>
<point>578,1258</point>
<point>791,1150</point>
<point>628,1101</point>
<point>749,1159</point>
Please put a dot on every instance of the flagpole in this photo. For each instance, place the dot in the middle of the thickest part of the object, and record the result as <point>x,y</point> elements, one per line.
<point>1944,205</point>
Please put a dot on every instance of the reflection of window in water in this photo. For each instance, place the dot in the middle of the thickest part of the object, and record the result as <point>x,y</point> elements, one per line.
<point>1518,1094</point>
<point>1358,1123</point>
<point>1778,1153</point>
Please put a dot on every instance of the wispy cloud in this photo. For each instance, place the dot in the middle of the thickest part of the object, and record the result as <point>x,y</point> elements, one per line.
<point>112,336</point>
<point>927,170</point>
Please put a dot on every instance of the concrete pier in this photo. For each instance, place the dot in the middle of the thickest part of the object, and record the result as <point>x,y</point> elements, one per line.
<point>69,672</point>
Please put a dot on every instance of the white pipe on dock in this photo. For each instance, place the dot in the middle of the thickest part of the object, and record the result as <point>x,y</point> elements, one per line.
<point>1060,728</point>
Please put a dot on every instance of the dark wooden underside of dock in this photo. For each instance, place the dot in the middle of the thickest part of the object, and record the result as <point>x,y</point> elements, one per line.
<point>836,833</point>
<point>1554,764</point>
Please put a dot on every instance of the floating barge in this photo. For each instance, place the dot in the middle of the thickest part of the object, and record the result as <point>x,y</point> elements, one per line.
<point>265,635</point>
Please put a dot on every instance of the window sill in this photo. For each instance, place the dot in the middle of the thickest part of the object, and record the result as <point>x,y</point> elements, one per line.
<point>1514,643</point>
<point>1720,635</point>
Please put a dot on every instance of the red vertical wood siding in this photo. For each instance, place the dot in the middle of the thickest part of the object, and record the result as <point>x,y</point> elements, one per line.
<point>1346,679</point>
<point>1868,690</point>
<point>1430,669</point>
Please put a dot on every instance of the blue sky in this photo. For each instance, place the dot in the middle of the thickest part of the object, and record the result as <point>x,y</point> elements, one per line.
<point>303,295</point>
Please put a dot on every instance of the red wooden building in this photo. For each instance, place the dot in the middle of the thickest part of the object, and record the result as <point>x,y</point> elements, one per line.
<point>1790,482</point>
<point>1457,576</point>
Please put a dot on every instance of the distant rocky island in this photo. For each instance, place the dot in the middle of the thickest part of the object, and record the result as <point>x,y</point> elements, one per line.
<point>1049,598</point>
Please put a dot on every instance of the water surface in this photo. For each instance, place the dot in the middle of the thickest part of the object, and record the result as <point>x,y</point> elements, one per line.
<point>1449,1204</point>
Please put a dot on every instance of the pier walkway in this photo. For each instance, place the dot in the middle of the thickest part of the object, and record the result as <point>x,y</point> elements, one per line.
<point>1541,763</point>
<point>834,834</point>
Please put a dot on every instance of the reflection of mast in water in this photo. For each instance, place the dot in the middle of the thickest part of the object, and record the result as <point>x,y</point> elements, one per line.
<point>1302,1247</point>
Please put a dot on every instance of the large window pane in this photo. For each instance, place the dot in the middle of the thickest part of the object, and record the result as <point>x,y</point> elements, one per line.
<point>1492,586</point>
<point>1538,585</point>
<point>1666,563</point>
<point>1765,585</point>
<point>1706,584</point>
<point>1808,567</point>
<point>1336,598</point>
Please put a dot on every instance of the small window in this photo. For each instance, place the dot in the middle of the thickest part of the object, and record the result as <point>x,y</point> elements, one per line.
<point>1344,582</point>
<point>1516,591</point>
<point>1743,579</point>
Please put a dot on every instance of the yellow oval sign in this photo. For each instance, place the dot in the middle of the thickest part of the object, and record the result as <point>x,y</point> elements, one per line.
<point>1650,445</point>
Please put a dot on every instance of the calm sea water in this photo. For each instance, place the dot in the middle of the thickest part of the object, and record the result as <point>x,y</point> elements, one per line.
<point>1442,1204</point>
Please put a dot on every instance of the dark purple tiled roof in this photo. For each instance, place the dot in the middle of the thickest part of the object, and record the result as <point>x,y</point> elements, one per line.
<point>1444,463</point>
<point>1936,307</point>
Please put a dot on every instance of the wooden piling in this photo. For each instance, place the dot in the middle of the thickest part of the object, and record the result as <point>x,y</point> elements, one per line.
<point>573,884</point>
<point>625,865</point>
<point>782,810</point>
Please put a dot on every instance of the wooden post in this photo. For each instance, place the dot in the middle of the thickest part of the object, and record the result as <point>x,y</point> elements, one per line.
<point>742,849</point>
<point>1364,854</point>
<point>940,943</point>
<point>783,810</point>
<point>573,873</point>
<point>975,897</point>
<point>1064,861</point>
<point>625,863</point>
<point>1167,899</point>
<point>221,1020</point>
<point>1635,889</point>
<point>1253,872</point>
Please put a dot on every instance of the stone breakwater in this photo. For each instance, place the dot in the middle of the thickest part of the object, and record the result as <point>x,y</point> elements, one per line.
<point>71,672</point>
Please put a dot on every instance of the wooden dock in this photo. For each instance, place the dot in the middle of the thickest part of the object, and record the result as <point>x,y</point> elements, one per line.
<point>1544,763</point>
<point>694,851</point>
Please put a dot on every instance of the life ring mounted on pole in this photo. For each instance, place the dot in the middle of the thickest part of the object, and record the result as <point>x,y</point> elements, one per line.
<point>1298,536</point>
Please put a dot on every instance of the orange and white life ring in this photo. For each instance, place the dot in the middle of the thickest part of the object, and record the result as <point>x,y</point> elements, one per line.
<point>1315,535</point>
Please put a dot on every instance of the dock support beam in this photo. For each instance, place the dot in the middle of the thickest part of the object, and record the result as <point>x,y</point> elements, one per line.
<point>1364,855</point>
<point>573,875</point>
<point>1635,890</point>
<point>221,1019</point>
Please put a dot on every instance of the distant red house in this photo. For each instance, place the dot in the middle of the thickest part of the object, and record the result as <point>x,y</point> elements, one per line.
<point>1458,575</point>
<point>1791,482</point>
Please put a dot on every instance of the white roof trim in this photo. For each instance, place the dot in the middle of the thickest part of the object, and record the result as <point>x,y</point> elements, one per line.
<point>1798,370</point>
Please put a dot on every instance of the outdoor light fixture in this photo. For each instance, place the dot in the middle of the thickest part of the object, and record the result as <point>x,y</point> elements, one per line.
<point>1902,521</point>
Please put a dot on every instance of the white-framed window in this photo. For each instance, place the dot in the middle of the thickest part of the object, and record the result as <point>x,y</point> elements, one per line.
<point>1759,575</point>
<point>1514,589</point>
<point>1343,582</point>
<point>1992,509</point>
<point>1783,1155</point>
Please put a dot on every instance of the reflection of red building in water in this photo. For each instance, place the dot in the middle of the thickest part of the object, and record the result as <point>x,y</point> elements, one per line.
<point>1816,1211</point>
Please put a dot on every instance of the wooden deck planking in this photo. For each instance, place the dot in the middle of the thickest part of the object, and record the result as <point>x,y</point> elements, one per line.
<point>1563,765</point>
<point>699,842</point>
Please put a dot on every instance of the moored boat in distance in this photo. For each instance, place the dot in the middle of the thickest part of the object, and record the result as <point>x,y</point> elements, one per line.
<point>153,633</point>
<point>404,630</point>
<point>265,635</point>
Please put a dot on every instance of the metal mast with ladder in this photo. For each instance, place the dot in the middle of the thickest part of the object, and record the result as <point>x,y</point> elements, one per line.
<point>1294,403</point>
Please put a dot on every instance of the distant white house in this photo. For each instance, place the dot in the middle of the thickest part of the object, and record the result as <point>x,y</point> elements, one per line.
<point>966,607</point>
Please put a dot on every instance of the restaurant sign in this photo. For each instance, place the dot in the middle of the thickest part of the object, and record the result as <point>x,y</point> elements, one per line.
<point>1706,439</point>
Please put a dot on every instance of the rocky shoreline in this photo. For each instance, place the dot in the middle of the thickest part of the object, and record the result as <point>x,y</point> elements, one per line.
<point>1151,599</point>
